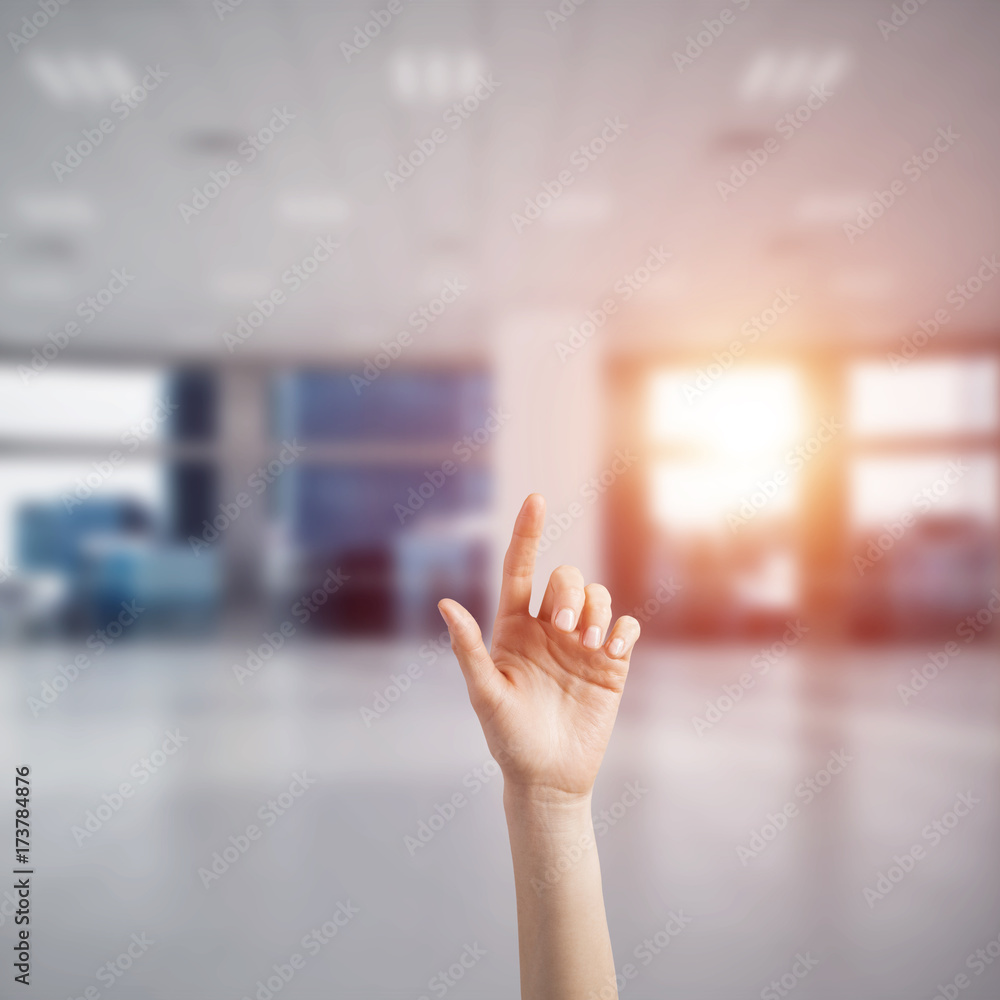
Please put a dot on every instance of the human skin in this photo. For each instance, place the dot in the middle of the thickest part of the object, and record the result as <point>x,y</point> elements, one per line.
<point>547,695</point>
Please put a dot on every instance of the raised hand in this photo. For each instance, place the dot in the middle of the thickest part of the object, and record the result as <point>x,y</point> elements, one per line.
<point>548,692</point>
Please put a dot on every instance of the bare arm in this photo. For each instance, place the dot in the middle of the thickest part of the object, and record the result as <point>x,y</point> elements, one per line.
<point>547,695</point>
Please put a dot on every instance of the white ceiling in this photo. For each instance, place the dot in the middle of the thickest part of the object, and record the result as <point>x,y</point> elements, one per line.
<point>655,185</point>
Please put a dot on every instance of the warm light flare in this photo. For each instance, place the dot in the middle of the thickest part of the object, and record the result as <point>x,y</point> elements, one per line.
<point>746,414</point>
<point>739,426</point>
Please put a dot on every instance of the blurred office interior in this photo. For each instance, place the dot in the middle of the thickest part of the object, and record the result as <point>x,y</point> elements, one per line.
<point>277,367</point>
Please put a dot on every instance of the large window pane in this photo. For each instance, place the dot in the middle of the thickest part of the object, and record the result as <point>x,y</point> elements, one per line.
<point>883,489</point>
<point>385,406</point>
<point>89,404</point>
<point>755,411</point>
<point>939,396</point>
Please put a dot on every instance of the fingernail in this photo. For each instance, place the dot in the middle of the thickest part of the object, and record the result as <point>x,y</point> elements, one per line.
<point>592,637</point>
<point>564,620</point>
<point>617,647</point>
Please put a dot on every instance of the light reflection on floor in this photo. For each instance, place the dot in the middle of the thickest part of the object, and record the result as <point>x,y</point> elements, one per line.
<point>342,839</point>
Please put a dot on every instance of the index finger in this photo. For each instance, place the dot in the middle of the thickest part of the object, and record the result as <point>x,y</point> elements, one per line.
<point>519,562</point>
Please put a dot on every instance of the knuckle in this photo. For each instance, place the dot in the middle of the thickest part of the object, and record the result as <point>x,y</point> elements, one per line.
<point>513,566</point>
<point>567,572</point>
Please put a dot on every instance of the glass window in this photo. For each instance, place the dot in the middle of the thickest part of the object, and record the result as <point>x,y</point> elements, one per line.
<point>939,396</point>
<point>754,411</point>
<point>741,426</point>
<point>384,406</point>
<point>885,488</point>
<point>81,404</point>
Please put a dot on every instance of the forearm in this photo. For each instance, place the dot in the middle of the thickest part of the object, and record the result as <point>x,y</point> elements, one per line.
<point>564,946</point>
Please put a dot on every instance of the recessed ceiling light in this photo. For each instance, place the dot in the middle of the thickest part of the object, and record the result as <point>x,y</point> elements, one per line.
<point>829,208</point>
<point>79,78</point>
<point>311,209</point>
<point>579,209</point>
<point>38,283</point>
<point>433,76</point>
<point>57,209</point>
<point>240,285</point>
<point>791,75</point>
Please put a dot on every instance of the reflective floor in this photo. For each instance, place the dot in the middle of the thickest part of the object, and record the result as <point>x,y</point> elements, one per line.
<point>813,833</point>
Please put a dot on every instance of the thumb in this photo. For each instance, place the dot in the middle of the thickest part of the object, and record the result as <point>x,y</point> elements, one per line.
<point>467,642</point>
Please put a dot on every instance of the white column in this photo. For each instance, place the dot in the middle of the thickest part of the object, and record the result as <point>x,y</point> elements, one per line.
<point>554,441</point>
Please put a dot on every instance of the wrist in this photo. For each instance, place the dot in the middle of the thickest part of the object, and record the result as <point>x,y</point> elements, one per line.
<point>546,807</point>
<point>552,841</point>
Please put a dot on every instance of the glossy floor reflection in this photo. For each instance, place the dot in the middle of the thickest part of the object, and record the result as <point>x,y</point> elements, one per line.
<point>675,804</point>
